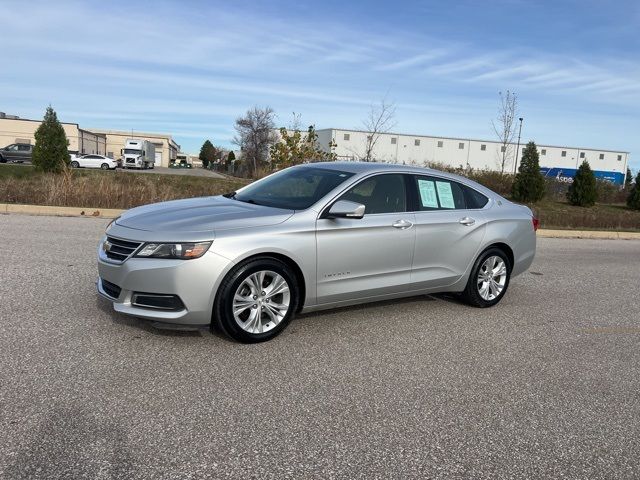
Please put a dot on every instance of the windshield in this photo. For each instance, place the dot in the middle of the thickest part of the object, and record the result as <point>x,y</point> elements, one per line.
<point>293,188</point>
<point>131,151</point>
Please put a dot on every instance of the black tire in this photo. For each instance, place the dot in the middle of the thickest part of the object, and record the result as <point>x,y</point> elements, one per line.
<point>104,166</point>
<point>223,318</point>
<point>471,293</point>
<point>2,159</point>
<point>75,164</point>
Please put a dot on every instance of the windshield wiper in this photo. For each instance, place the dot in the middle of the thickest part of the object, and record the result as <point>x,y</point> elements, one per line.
<point>233,196</point>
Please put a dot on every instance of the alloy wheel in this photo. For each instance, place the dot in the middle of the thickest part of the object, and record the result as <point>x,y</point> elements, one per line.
<point>492,278</point>
<point>261,301</point>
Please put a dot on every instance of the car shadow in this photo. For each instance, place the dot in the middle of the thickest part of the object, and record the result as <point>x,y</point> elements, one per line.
<point>146,325</point>
<point>378,304</point>
<point>205,331</point>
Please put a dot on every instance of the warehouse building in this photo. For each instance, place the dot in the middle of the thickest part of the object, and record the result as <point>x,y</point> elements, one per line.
<point>555,161</point>
<point>21,130</point>
<point>14,129</point>
<point>166,148</point>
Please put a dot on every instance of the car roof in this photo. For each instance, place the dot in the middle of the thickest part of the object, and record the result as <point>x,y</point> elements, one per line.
<point>361,168</point>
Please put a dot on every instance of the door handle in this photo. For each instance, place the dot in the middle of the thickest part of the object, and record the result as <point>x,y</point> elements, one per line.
<point>402,224</point>
<point>467,221</point>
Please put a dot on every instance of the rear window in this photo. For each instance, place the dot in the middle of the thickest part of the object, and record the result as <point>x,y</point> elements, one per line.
<point>442,194</point>
<point>439,194</point>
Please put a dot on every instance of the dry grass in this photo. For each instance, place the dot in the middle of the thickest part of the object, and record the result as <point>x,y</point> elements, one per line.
<point>97,189</point>
<point>561,215</point>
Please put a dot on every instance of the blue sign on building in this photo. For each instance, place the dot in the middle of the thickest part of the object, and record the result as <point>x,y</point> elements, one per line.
<point>567,174</point>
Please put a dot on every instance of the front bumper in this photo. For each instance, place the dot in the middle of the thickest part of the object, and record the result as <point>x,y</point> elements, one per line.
<point>194,282</point>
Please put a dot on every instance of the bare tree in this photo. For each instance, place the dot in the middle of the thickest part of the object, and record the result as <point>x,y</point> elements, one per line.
<point>505,124</point>
<point>379,120</point>
<point>296,122</point>
<point>255,135</point>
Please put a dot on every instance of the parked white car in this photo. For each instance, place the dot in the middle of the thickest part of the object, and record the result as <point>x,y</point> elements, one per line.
<point>93,161</point>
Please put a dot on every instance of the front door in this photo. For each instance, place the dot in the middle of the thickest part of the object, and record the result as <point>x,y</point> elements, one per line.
<point>371,256</point>
<point>11,153</point>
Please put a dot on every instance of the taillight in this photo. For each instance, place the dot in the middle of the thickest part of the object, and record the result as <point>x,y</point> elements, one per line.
<point>536,223</point>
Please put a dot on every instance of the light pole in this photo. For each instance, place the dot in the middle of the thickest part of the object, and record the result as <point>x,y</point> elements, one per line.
<point>515,160</point>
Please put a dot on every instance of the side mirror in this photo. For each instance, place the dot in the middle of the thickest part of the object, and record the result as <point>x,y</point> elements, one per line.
<point>345,209</point>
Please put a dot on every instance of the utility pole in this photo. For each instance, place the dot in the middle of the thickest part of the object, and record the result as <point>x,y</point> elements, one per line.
<point>515,160</point>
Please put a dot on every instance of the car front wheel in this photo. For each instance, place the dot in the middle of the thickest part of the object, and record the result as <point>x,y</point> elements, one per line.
<point>489,279</point>
<point>104,166</point>
<point>256,300</point>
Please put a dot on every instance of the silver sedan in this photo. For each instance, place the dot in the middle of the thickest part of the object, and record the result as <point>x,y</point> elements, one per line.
<point>313,237</point>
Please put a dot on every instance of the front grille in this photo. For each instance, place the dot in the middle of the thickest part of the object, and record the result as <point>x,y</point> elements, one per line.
<point>119,250</point>
<point>130,160</point>
<point>110,289</point>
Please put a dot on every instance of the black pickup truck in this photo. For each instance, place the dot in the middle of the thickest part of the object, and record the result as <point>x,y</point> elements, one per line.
<point>16,152</point>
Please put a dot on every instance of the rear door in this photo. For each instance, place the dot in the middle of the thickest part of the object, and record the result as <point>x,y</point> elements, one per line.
<point>450,227</point>
<point>24,152</point>
<point>371,256</point>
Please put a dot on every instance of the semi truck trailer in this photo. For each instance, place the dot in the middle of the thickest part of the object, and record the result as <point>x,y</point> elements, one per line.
<point>138,154</point>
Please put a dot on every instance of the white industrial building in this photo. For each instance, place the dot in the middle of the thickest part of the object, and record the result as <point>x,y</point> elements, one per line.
<point>561,162</point>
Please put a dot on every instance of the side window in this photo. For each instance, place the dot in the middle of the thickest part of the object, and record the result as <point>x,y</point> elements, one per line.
<point>12,148</point>
<point>24,148</point>
<point>380,194</point>
<point>473,198</point>
<point>439,194</point>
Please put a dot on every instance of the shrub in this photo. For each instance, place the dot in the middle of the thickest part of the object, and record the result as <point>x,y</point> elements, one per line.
<point>50,152</point>
<point>496,181</point>
<point>529,183</point>
<point>582,192</point>
<point>610,193</point>
<point>633,201</point>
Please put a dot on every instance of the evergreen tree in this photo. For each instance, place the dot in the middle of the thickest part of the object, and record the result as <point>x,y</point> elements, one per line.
<point>50,153</point>
<point>628,178</point>
<point>231,157</point>
<point>633,200</point>
<point>529,182</point>
<point>207,153</point>
<point>582,191</point>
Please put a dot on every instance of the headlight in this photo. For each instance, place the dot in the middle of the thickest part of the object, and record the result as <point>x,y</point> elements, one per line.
<point>185,251</point>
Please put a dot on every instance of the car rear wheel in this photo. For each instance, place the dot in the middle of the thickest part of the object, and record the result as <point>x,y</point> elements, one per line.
<point>74,164</point>
<point>104,166</point>
<point>256,300</point>
<point>489,279</point>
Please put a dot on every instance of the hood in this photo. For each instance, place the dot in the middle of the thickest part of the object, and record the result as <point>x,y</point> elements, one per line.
<point>200,215</point>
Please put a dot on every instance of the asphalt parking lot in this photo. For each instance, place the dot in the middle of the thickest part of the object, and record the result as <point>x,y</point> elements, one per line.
<point>545,385</point>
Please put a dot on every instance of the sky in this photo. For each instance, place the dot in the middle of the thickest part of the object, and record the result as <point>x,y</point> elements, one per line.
<point>190,68</point>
